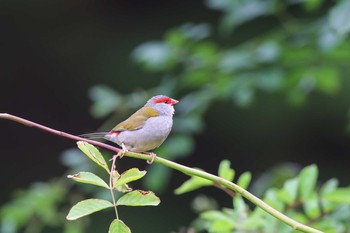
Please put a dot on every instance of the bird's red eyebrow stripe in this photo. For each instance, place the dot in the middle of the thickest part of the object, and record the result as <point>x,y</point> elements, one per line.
<point>164,99</point>
<point>161,100</point>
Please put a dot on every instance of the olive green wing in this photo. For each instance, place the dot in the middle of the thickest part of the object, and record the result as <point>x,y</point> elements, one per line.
<point>137,120</point>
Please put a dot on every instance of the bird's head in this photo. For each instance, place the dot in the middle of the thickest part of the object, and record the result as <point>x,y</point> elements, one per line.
<point>163,104</point>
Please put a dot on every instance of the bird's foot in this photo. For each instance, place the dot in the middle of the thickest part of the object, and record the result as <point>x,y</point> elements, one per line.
<point>123,151</point>
<point>153,155</point>
<point>120,154</point>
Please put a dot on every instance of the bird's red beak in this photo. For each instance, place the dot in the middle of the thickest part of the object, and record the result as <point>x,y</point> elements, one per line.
<point>173,101</point>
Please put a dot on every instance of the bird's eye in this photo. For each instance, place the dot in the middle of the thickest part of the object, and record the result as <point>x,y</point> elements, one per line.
<point>166,101</point>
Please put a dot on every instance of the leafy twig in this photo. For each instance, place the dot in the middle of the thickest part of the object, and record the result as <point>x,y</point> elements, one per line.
<point>186,170</point>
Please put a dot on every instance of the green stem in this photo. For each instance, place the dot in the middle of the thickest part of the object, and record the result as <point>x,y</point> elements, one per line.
<point>232,186</point>
<point>186,170</point>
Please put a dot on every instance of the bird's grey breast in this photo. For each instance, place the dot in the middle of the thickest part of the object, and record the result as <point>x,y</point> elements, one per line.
<point>150,136</point>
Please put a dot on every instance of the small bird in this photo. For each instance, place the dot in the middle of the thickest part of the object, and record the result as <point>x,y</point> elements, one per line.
<point>144,130</point>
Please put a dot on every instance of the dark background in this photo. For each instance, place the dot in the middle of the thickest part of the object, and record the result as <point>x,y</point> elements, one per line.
<point>52,52</point>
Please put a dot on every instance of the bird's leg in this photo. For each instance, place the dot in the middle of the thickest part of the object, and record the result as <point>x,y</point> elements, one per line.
<point>153,155</point>
<point>121,153</point>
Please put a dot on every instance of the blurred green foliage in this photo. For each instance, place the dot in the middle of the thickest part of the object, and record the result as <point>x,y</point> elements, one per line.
<point>325,207</point>
<point>302,47</point>
<point>37,209</point>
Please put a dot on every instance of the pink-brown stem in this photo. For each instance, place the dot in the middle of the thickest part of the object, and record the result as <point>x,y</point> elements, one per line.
<point>57,132</point>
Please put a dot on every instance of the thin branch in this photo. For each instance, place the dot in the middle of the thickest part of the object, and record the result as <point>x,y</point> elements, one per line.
<point>226,190</point>
<point>111,184</point>
<point>56,132</point>
<point>186,170</point>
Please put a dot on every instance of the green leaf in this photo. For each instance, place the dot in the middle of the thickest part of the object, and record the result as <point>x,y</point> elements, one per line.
<point>328,225</point>
<point>215,215</point>
<point>221,226</point>
<point>307,181</point>
<point>88,178</point>
<point>139,198</point>
<point>193,183</point>
<point>217,221</point>
<point>105,100</point>
<point>124,188</point>
<point>244,180</point>
<point>118,226</point>
<point>93,154</point>
<point>87,207</point>
<point>289,192</point>
<point>271,199</point>
<point>128,176</point>
<point>326,188</point>
<point>154,56</point>
<point>340,195</point>
<point>225,171</point>
<point>239,204</point>
<point>311,206</point>
<point>253,222</point>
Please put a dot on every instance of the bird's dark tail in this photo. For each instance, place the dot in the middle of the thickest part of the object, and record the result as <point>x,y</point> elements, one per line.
<point>93,135</point>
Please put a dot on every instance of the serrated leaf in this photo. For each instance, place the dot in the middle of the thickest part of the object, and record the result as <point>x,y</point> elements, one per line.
<point>340,195</point>
<point>128,176</point>
<point>225,171</point>
<point>87,207</point>
<point>118,226</point>
<point>88,178</point>
<point>307,181</point>
<point>244,180</point>
<point>193,183</point>
<point>93,153</point>
<point>139,198</point>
